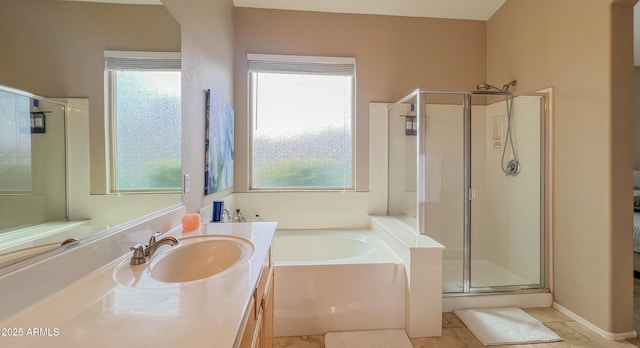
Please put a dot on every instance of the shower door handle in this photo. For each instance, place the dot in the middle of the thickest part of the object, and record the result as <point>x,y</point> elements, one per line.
<point>472,194</point>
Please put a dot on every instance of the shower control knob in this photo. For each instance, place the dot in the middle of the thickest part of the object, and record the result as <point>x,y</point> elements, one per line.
<point>513,168</point>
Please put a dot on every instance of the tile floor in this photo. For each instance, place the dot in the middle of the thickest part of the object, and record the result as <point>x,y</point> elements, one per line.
<point>455,334</point>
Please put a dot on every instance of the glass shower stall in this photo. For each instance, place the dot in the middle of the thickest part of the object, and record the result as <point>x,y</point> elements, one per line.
<point>469,170</point>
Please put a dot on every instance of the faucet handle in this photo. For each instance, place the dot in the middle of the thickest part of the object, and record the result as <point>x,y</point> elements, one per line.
<point>138,256</point>
<point>152,240</point>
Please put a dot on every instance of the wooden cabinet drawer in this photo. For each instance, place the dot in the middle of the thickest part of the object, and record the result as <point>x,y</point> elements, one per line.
<point>258,330</point>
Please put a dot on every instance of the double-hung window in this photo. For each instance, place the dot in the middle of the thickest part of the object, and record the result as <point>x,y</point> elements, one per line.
<point>302,115</point>
<point>143,93</point>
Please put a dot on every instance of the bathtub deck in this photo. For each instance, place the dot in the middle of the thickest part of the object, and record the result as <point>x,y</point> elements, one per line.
<point>330,247</point>
<point>335,281</point>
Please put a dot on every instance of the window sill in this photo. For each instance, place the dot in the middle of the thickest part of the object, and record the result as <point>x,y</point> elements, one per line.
<point>282,190</point>
<point>158,192</point>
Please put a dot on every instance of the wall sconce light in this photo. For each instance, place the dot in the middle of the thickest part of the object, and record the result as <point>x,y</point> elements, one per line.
<point>410,125</point>
<point>411,122</point>
<point>38,120</point>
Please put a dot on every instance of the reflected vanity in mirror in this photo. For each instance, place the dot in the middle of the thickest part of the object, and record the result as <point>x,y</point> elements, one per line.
<point>55,150</point>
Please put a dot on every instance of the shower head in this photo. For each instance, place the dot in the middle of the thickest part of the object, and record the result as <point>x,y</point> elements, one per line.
<point>485,87</point>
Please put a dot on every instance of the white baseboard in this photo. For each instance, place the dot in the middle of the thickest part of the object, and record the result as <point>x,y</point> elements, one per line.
<point>606,334</point>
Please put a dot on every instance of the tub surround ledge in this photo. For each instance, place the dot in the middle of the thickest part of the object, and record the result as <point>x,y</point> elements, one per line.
<point>97,308</point>
<point>422,257</point>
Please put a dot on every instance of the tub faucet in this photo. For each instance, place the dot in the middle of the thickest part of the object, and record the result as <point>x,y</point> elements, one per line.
<point>226,216</point>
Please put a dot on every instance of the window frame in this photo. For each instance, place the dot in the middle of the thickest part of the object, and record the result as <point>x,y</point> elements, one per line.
<point>130,61</point>
<point>251,115</point>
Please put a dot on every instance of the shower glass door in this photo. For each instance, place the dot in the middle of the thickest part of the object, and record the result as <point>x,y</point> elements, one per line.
<point>403,162</point>
<point>441,207</point>
<point>506,200</point>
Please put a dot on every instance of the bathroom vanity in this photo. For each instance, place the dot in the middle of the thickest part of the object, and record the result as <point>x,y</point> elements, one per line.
<point>123,305</point>
<point>258,318</point>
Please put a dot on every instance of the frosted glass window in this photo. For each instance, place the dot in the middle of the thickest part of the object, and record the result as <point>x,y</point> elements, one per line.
<point>302,128</point>
<point>147,125</point>
<point>15,143</point>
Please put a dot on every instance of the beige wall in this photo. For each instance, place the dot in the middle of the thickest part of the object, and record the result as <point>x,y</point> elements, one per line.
<point>207,63</point>
<point>394,56</point>
<point>621,164</point>
<point>568,45</point>
<point>55,49</point>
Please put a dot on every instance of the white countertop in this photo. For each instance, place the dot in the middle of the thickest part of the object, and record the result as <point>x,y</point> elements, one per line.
<point>100,312</point>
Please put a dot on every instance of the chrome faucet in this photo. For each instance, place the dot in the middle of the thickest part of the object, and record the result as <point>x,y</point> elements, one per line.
<point>142,253</point>
<point>226,216</point>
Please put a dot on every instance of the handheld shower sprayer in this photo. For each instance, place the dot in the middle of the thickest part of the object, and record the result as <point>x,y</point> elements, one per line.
<point>486,87</point>
<point>512,167</point>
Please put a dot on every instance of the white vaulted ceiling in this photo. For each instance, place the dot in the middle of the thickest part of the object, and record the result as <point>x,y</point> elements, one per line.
<point>130,2</point>
<point>456,9</point>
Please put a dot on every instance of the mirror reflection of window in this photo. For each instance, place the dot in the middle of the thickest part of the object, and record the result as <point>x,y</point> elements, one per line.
<point>145,113</point>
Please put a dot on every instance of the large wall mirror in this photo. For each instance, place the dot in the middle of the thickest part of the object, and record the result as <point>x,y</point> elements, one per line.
<point>32,160</point>
<point>56,49</point>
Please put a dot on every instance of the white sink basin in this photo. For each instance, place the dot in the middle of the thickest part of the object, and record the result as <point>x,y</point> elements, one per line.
<point>200,257</point>
<point>194,258</point>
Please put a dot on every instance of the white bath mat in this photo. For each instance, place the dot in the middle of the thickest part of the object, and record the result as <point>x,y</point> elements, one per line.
<point>367,339</point>
<point>509,325</point>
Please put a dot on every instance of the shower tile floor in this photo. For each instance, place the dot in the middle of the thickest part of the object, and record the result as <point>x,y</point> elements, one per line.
<point>484,273</point>
<point>455,334</point>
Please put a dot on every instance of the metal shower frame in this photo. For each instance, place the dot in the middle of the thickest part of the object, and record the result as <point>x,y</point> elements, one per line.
<point>415,97</point>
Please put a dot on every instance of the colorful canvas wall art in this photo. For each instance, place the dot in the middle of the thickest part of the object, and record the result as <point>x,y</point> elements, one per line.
<point>218,165</point>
